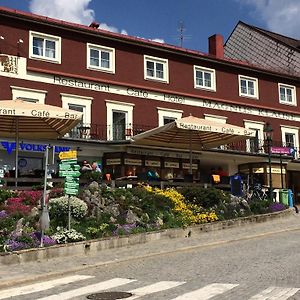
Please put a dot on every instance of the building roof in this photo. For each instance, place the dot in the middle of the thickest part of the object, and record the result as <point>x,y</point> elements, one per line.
<point>136,40</point>
<point>288,41</point>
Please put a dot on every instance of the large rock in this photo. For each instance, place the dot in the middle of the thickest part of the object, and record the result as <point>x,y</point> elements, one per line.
<point>131,217</point>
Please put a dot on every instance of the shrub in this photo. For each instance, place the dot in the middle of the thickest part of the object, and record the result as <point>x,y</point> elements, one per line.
<point>59,207</point>
<point>205,197</point>
<point>260,206</point>
<point>26,241</point>
<point>5,194</point>
<point>64,235</point>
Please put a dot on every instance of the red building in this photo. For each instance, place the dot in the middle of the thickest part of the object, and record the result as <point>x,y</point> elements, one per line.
<point>125,85</point>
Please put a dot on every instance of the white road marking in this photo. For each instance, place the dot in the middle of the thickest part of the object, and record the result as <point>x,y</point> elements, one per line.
<point>41,286</point>
<point>154,288</point>
<point>207,292</point>
<point>89,289</point>
<point>275,293</point>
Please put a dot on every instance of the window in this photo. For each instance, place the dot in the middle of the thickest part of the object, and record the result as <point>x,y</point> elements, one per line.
<point>45,47</point>
<point>204,78</point>
<point>287,94</point>
<point>100,58</point>
<point>290,138</point>
<point>167,115</point>
<point>156,68</point>
<point>248,87</point>
<point>119,120</point>
<point>255,144</point>
<point>81,104</point>
<point>29,95</point>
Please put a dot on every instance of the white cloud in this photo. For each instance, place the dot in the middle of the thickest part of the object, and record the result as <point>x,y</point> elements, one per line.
<point>281,16</point>
<point>76,11</point>
<point>158,41</point>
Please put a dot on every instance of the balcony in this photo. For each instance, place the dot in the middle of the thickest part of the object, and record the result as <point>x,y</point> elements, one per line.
<point>96,132</point>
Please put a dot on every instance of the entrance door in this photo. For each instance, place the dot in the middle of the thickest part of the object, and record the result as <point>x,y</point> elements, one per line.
<point>119,125</point>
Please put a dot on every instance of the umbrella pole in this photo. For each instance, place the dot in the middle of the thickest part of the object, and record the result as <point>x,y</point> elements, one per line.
<point>191,154</point>
<point>17,152</point>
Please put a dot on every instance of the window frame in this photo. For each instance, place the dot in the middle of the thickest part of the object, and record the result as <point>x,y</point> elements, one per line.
<point>28,93</point>
<point>155,60</point>
<point>44,36</point>
<point>248,79</point>
<point>118,106</point>
<point>259,127</point>
<point>294,97</point>
<point>293,131</point>
<point>101,49</point>
<point>168,113</point>
<point>212,72</point>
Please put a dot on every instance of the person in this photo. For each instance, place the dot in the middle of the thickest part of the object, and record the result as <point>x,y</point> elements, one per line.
<point>95,167</point>
<point>86,166</point>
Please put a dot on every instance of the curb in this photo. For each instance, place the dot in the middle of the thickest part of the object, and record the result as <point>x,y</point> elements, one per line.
<point>93,246</point>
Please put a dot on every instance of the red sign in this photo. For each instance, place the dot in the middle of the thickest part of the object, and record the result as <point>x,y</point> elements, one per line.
<point>282,150</point>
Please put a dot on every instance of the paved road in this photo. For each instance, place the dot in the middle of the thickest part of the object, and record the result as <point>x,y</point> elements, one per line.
<point>259,262</point>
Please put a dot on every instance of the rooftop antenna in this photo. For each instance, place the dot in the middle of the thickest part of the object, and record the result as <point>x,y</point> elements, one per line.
<point>182,36</point>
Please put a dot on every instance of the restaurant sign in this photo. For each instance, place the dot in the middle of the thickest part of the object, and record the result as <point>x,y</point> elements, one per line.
<point>187,166</point>
<point>133,162</point>
<point>152,163</point>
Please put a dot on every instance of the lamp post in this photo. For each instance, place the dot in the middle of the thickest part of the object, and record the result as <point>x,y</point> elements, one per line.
<point>268,135</point>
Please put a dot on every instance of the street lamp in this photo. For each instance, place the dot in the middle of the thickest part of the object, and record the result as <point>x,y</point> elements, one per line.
<point>268,135</point>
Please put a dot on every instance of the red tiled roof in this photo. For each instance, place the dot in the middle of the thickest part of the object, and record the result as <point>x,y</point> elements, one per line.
<point>145,42</point>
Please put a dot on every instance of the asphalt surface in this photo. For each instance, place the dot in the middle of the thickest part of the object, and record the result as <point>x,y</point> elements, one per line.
<point>26,273</point>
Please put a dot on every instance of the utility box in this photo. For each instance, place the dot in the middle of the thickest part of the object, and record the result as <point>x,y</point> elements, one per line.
<point>284,196</point>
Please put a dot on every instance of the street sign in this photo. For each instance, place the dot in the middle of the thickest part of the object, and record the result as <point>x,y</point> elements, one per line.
<point>282,150</point>
<point>71,185</point>
<point>69,167</point>
<point>71,191</point>
<point>69,173</point>
<point>72,154</point>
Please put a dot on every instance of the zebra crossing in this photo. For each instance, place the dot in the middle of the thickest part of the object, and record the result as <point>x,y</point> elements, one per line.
<point>52,289</point>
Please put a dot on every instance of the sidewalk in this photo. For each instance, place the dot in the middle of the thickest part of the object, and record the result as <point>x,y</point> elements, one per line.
<point>40,270</point>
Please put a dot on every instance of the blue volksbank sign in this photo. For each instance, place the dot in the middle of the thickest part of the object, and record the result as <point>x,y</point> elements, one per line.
<point>11,146</point>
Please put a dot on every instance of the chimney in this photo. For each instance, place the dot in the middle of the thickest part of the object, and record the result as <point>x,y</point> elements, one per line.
<point>215,45</point>
<point>94,25</point>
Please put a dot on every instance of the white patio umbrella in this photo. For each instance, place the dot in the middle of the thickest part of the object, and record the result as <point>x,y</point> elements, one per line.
<point>193,133</point>
<point>21,119</point>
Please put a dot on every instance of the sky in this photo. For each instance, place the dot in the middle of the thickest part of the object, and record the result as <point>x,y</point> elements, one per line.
<point>161,20</point>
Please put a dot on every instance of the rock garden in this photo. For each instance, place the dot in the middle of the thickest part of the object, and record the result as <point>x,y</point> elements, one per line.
<point>99,211</point>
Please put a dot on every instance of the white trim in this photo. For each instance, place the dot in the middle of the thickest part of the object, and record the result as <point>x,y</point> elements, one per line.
<point>53,38</point>
<point>294,97</point>
<point>100,48</point>
<point>112,106</point>
<point>250,124</point>
<point>77,96</point>
<point>215,118</point>
<point>27,93</point>
<point>252,79</point>
<point>165,64</point>
<point>292,130</point>
<point>169,113</point>
<point>213,78</point>
<point>85,102</point>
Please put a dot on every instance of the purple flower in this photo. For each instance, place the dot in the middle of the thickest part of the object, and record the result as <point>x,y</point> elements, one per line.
<point>3,214</point>
<point>276,207</point>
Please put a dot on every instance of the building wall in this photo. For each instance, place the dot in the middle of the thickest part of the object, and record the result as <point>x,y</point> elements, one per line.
<point>128,85</point>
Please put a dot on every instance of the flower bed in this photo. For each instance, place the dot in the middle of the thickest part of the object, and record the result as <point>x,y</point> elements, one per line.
<point>100,212</point>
